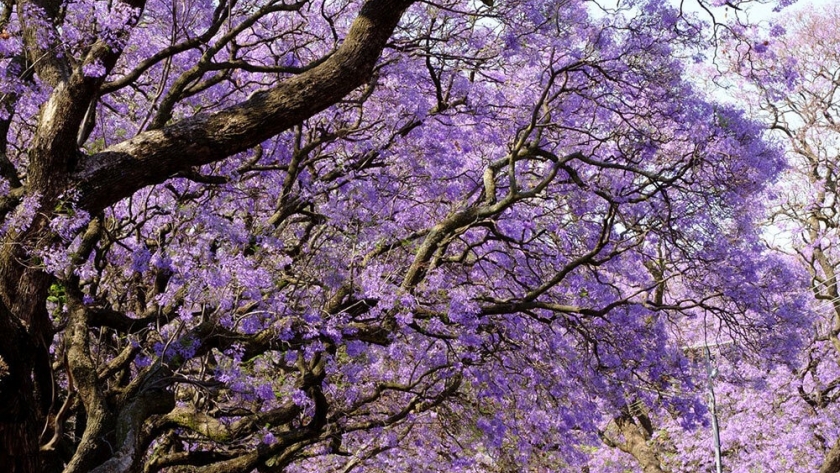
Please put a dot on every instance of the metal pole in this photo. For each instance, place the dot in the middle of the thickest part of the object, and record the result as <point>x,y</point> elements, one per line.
<point>712,374</point>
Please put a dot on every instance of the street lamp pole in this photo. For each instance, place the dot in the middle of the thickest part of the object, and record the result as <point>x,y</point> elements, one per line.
<point>712,374</point>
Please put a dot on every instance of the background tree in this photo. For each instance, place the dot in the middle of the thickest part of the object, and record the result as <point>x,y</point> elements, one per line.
<point>784,417</point>
<point>797,75</point>
<point>234,240</point>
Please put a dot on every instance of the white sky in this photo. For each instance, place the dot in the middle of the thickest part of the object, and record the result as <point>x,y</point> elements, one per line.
<point>755,12</point>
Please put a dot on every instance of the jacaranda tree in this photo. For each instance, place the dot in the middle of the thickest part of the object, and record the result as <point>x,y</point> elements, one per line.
<point>782,417</point>
<point>791,78</point>
<point>384,234</point>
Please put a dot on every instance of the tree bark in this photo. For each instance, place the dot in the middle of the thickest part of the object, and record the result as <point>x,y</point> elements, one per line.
<point>636,444</point>
<point>18,422</point>
<point>831,463</point>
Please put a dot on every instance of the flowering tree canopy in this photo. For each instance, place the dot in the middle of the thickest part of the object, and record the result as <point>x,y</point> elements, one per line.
<point>783,417</point>
<point>790,76</point>
<point>376,235</point>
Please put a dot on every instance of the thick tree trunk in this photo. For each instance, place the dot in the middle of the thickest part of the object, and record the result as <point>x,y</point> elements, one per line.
<point>18,418</point>
<point>636,444</point>
<point>831,463</point>
<point>25,398</point>
<point>18,452</point>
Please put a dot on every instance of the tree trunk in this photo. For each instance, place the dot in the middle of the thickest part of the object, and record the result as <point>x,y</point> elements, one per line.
<point>25,399</point>
<point>19,451</point>
<point>831,464</point>
<point>18,418</point>
<point>636,444</point>
<point>27,392</point>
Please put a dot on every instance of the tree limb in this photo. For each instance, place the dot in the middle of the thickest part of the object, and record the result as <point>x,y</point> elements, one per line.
<point>153,156</point>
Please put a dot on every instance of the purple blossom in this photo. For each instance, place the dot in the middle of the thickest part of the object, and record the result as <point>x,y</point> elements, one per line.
<point>300,398</point>
<point>140,260</point>
<point>94,69</point>
<point>355,348</point>
<point>265,392</point>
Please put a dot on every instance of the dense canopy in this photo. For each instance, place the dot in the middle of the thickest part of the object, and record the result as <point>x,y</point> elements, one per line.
<point>387,235</point>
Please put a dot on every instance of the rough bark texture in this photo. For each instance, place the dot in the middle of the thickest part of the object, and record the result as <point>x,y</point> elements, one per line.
<point>18,418</point>
<point>831,464</point>
<point>635,443</point>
